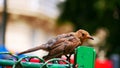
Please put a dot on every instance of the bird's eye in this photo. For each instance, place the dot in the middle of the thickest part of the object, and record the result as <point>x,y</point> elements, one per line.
<point>83,34</point>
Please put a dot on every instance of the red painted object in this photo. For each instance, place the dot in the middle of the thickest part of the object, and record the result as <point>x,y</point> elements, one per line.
<point>35,60</point>
<point>103,63</point>
<point>8,67</point>
<point>72,59</point>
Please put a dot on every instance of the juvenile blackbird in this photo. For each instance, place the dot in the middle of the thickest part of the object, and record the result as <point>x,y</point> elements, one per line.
<point>62,44</point>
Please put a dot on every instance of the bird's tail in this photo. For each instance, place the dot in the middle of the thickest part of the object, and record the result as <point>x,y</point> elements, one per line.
<point>33,49</point>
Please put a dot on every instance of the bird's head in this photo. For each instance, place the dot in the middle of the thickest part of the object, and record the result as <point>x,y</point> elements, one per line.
<point>83,35</point>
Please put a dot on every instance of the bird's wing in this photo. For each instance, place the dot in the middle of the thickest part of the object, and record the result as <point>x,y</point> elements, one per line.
<point>71,40</point>
<point>70,37</point>
<point>58,39</point>
<point>56,52</point>
<point>65,47</point>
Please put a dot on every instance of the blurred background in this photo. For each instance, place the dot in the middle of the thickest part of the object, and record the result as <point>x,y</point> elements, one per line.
<point>28,23</point>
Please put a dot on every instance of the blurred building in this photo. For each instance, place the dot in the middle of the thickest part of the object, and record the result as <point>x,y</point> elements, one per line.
<point>36,8</point>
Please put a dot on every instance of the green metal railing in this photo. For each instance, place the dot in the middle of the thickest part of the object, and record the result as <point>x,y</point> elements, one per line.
<point>84,58</point>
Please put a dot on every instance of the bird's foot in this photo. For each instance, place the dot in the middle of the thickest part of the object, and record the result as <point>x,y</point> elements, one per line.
<point>76,66</point>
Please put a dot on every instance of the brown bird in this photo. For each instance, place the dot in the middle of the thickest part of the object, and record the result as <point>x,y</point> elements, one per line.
<point>62,44</point>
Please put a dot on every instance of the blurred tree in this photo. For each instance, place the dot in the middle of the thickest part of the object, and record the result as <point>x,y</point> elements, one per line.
<point>92,14</point>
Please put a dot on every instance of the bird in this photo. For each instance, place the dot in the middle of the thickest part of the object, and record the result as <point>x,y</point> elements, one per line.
<point>62,44</point>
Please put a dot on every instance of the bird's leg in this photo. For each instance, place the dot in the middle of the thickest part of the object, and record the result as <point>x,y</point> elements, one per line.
<point>68,57</point>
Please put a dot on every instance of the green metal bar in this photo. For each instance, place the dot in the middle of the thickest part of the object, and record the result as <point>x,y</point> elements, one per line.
<point>85,57</point>
<point>6,62</point>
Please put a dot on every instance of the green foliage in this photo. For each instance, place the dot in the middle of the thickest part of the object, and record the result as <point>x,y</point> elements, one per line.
<point>92,14</point>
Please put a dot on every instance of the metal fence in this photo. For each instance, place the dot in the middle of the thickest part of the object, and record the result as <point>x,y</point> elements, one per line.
<point>84,58</point>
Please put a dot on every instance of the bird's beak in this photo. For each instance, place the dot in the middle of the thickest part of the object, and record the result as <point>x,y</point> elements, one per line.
<point>90,37</point>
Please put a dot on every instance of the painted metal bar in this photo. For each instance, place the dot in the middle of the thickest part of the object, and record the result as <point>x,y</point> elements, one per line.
<point>85,57</point>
